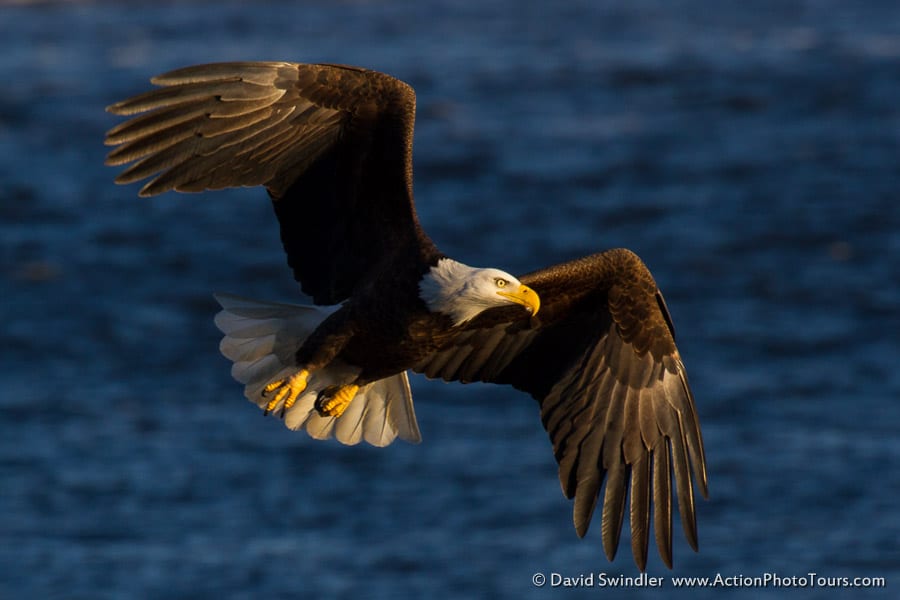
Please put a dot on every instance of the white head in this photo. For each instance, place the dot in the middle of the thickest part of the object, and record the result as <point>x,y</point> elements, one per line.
<point>462,292</point>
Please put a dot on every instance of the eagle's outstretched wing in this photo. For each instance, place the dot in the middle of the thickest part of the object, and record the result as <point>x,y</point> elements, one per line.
<point>600,357</point>
<point>332,144</point>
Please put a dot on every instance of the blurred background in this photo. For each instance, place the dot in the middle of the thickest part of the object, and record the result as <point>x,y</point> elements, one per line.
<point>749,152</point>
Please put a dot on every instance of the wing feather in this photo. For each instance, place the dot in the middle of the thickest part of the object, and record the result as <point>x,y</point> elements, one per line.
<point>613,507</point>
<point>685,493</point>
<point>640,510</point>
<point>601,360</point>
<point>475,359</point>
<point>662,500</point>
<point>586,489</point>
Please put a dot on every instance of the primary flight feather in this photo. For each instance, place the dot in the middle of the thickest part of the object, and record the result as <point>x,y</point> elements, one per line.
<point>591,340</point>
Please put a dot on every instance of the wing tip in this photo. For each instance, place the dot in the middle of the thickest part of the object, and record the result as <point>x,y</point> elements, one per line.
<point>610,547</point>
<point>118,108</point>
<point>690,531</point>
<point>581,527</point>
<point>641,561</point>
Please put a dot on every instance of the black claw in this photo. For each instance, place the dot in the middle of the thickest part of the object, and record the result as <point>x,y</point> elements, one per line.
<point>323,396</point>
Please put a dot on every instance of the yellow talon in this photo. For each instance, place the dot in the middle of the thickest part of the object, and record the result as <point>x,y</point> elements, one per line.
<point>289,390</point>
<point>338,402</point>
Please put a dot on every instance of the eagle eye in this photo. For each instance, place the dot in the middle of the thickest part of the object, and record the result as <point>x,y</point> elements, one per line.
<point>500,282</point>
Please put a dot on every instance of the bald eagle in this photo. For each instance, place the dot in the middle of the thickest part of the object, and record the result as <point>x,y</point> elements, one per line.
<point>591,340</point>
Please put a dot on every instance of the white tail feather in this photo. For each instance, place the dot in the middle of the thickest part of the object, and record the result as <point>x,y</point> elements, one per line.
<point>261,339</point>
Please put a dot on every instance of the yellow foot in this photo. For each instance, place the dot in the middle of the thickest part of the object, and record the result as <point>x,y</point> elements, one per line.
<point>288,389</point>
<point>333,401</point>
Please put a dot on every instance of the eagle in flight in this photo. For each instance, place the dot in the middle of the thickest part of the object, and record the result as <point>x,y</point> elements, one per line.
<point>591,340</point>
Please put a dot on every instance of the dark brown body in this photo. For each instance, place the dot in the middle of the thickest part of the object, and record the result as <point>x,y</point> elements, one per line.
<point>382,329</point>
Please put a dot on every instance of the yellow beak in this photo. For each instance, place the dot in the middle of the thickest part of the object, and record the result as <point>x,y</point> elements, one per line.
<point>525,296</point>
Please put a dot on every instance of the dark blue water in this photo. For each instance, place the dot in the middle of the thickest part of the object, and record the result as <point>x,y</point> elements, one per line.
<point>749,152</point>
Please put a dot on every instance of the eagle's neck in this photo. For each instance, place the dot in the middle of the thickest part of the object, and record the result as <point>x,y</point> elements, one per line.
<point>443,289</point>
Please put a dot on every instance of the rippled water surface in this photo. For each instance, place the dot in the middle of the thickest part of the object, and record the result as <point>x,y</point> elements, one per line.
<point>749,152</point>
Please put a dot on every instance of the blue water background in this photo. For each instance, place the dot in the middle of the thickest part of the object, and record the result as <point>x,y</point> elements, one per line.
<point>748,151</point>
